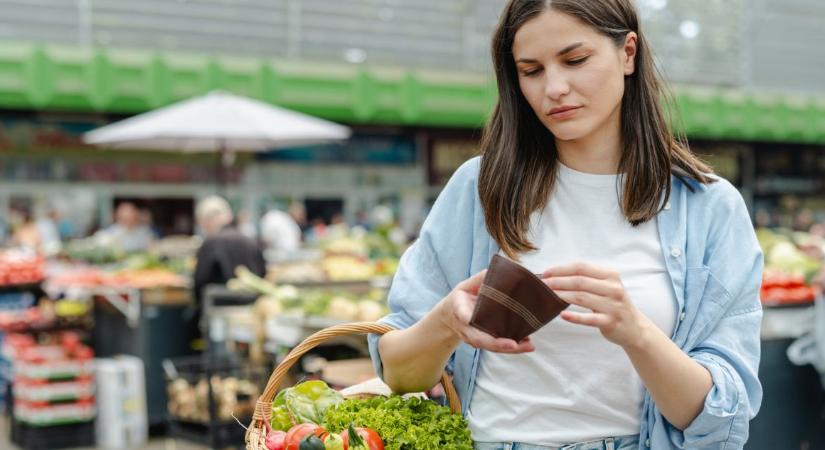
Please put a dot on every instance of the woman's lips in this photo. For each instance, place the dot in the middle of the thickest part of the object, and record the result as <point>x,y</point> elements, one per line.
<point>564,112</point>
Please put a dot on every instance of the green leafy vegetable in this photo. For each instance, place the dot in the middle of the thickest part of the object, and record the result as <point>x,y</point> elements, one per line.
<point>308,401</point>
<point>412,424</point>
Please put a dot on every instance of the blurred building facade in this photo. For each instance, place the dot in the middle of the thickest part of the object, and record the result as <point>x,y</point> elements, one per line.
<point>412,78</point>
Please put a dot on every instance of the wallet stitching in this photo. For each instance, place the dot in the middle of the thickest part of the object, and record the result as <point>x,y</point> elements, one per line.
<point>524,270</point>
<point>508,302</point>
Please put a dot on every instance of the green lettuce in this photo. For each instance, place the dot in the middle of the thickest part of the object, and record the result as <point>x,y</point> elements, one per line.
<point>403,424</point>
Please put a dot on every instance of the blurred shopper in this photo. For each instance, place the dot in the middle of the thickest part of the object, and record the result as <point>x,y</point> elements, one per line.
<point>224,247</point>
<point>280,232</point>
<point>25,232</point>
<point>50,239</point>
<point>129,233</point>
<point>246,225</point>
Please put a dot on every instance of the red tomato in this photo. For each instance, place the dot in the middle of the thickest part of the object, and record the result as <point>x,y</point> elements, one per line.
<point>298,432</point>
<point>369,436</point>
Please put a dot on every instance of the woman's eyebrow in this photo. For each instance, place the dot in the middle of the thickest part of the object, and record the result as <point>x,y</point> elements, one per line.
<point>561,52</point>
<point>569,48</point>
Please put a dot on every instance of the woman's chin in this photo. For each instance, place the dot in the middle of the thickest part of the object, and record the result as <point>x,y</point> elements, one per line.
<point>567,133</point>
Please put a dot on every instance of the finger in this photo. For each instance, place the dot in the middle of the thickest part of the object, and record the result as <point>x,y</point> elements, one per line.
<point>482,340</point>
<point>597,320</point>
<point>473,283</point>
<point>587,284</point>
<point>464,307</point>
<point>580,268</point>
<point>596,303</point>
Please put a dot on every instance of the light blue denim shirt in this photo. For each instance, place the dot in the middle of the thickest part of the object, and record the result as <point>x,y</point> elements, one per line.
<point>714,261</point>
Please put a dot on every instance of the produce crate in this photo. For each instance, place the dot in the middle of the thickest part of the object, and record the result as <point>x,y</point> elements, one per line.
<point>46,414</point>
<point>44,391</point>
<point>208,395</point>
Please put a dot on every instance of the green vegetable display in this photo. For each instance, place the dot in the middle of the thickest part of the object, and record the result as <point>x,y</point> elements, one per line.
<point>411,424</point>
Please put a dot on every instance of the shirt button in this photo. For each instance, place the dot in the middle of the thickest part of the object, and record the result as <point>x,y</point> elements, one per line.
<point>682,316</point>
<point>667,205</point>
<point>647,442</point>
<point>675,252</point>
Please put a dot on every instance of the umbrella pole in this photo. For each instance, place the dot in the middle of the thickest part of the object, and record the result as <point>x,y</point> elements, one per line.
<point>224,164</point>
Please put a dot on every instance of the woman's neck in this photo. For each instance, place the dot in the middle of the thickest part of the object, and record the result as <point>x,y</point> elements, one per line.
<point>597,153</point>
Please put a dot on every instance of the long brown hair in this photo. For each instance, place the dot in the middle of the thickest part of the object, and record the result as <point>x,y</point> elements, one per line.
<point>518,166</point>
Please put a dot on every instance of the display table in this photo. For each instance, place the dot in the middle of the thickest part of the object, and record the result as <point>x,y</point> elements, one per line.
<point>793,403</point>
<point>151,324</point>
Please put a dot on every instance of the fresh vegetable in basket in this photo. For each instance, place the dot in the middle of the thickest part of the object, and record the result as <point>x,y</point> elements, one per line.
<point>275,439</point>
<point>279,418</point>
<point>403,424</point>
<point>334,441</point>
<point>312,442</point>
<point>362,439</point>
<point>304,403</point>
<point>296,435</point>
<point>308,401</point>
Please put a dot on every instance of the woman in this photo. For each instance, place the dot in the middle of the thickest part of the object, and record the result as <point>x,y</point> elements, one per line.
<point>580,179</point>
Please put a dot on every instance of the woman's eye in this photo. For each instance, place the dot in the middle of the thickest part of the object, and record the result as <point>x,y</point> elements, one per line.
<point>531,72</point>
<point>577,61</point>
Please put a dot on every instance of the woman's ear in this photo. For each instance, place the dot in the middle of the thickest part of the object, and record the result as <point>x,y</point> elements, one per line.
<point>629,57</point>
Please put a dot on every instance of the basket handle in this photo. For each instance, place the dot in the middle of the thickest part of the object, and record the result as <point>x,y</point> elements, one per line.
<point>262,408</point>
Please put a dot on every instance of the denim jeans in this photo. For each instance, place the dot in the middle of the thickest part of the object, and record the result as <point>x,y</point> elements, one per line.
<point>615,443</point>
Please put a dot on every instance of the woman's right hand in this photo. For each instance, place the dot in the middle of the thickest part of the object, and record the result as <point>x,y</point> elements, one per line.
<point>457,310</point>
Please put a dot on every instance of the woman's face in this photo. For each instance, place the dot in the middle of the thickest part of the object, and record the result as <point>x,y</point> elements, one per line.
<point>571,75</point>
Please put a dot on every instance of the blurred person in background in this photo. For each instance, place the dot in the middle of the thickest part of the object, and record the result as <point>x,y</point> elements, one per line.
<point>128,233</point>
<point>24,231</point>
<point>280,231</point>
<point>246,225</point>
<point>224,247</point>
<point>50,239</point>
<point>147,219</point>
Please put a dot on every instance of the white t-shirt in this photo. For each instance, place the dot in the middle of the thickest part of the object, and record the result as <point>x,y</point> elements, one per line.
<point>577,386</point>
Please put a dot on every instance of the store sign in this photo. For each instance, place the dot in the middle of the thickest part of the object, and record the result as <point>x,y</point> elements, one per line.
<point>360,149</point>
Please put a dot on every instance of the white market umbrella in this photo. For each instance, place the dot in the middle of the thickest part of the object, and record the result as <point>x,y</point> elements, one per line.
<point>217,122</point>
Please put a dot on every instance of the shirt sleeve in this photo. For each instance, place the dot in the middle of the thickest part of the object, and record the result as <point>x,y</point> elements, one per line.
<point>726,340</point>
<point>438,260</point>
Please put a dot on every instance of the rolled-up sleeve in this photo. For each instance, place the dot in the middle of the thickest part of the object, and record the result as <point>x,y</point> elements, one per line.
<point>736,395</point>
<point>438,260</point>
<point>726,339</point>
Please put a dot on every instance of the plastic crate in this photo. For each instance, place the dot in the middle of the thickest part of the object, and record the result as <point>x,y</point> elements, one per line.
<point>29,437</point>
<point>42,391</point>
<point>43,414</point>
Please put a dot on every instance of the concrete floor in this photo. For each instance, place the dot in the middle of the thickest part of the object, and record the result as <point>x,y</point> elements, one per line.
<point>155,443</point>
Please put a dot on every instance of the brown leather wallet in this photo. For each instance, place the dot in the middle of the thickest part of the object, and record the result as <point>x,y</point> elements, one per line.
<point>513,302</point>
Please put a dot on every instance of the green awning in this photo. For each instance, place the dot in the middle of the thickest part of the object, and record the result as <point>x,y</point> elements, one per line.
<point>133,81</point>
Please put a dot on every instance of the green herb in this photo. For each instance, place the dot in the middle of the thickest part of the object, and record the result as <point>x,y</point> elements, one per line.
<point>412,424</point>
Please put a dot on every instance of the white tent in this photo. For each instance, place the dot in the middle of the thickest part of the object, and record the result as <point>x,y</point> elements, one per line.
<point>217,122</point>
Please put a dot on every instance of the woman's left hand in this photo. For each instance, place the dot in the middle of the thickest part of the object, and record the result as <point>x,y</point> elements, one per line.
<point>601,291</point>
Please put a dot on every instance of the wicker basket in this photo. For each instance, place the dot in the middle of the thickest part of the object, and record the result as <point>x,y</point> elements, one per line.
<point>256,433</point>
